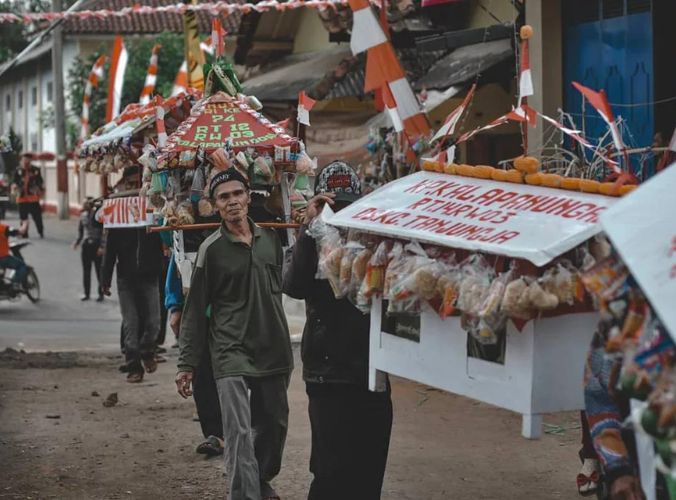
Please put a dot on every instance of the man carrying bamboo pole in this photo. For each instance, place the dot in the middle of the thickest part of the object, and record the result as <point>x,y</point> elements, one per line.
<point>238,277</point>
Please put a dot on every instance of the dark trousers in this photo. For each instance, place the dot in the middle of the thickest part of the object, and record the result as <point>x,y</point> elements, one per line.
<point>351,429</point>
<point>140,308</point>
<point>206,398</point>
<point>162,336</point>
<point>34,210</point>
<point>89,257</point>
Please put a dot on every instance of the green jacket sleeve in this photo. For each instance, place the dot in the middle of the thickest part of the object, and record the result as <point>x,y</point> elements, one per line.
<point>194,323</point>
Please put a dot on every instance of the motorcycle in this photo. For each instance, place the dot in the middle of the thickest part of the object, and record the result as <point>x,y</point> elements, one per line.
<point>31,287</point>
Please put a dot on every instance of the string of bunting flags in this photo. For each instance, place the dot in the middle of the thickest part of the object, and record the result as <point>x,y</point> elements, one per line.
<point>213,8</point>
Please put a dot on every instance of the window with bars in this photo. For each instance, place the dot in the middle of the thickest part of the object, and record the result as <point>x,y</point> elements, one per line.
<point>8,103</point>
<point>34,96</point>
<point>50,91</point>
<point>584,11</point>
<point>20,100</point>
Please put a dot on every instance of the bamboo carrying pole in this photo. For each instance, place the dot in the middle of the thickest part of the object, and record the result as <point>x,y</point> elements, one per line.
<point>216,225</point>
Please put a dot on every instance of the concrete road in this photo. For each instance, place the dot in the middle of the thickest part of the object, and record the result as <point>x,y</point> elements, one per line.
<point>60,321</point>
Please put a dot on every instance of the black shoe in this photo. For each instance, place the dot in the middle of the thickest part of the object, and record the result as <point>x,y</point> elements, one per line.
<point>42,235</point>
<point>100,298</point>
<point>84,297</point>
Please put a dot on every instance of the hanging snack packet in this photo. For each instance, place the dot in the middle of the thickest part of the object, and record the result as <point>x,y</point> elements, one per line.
<point>448,288</point>
<point>491,302</point>
<point>476,278</point>
<point>262,170</point>
<point>515,303</point>
<point>375,271</point>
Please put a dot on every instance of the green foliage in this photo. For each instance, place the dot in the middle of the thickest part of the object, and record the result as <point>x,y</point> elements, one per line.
<point>139,50</point>
<point>169,61</point>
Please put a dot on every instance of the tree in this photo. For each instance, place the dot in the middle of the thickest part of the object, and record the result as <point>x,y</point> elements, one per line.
<point>16,36</point>
<point>139,49</point>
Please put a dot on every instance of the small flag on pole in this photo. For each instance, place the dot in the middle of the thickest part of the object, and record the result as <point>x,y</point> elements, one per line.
<point>305,104</point>
<point>217,37</point>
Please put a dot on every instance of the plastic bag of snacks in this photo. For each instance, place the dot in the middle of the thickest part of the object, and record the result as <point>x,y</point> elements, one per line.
<point>476,280</point>
<point>399,288</point>
<point>448,288</point>
<point>359,269</point>
<point>490,305</point>
<point>515,302</point>
<point>540,298</point>
<point>560,281</point>
<point>375,270</point>
<point>349,254</point>
<point>262,168</point>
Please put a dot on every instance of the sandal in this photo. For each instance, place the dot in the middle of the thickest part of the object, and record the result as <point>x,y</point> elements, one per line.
<point>211,447</point>
<point>150,364</point>
<point>135,378</point>
<point>589,478</point>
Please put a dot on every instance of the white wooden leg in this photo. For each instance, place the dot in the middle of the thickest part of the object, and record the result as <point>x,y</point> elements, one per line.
<point>377,380</point>
<point>531,426</point>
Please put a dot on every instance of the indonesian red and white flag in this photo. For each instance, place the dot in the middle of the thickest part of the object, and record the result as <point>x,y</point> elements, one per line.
<point>151,76</point>
<point>181,81</point>
<point>207,46</point>
<point>118,67</point>
<point>217,38</point>
<point>305,104</point>
<point>599,101</point>
<point>525,77</point>
<point>366,30</point>
<point>448,128</point>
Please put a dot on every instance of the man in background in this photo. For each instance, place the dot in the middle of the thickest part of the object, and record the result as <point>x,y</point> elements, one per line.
<point>28,187</point>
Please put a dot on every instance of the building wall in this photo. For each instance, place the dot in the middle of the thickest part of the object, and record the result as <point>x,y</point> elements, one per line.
<point>28,118</point>
<point>311,35</point>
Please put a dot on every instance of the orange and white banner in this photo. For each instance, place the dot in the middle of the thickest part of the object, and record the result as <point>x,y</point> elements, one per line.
<point>181,81</point>
<point>151,77</point>
<point>448,128</point>
<point>95,75</point>
<point>118,67</point>
<point>366,30</point>
<point>124,212</point>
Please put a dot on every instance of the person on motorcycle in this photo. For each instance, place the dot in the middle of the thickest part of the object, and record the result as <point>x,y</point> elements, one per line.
<point>7,260</point>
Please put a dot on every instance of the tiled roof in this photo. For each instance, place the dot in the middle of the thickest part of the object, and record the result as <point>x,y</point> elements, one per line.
<point>136,23</point>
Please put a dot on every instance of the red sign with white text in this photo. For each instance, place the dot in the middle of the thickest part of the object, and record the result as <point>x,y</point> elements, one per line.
<point>515,220</point>
<point>124,212</point>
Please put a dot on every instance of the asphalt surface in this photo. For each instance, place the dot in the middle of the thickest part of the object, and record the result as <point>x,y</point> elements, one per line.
<point>60,321</point>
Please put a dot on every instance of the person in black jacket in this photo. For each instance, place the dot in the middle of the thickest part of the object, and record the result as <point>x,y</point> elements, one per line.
<point>350,425</point>
<point>138,256</point>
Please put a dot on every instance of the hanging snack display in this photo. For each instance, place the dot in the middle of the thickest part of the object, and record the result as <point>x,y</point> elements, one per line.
<point>119,144</point>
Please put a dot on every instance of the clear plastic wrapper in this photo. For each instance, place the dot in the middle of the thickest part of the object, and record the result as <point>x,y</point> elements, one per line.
<point>476,279</point>
<point>541,299</point>
<point>263,169</point>
<point>350,252</point>
<point>560,281</point>
<point>490,305</point>
<point>375,270</point>
<point>448,288</point>
<point>515,302</point>
<point>184,213</point>
<point>399,288</point>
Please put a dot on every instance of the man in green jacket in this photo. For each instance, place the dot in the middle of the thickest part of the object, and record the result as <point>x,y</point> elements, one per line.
<point>238,277</point>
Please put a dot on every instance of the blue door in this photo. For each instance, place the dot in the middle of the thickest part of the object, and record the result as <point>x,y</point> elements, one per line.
<point>608,44</point>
